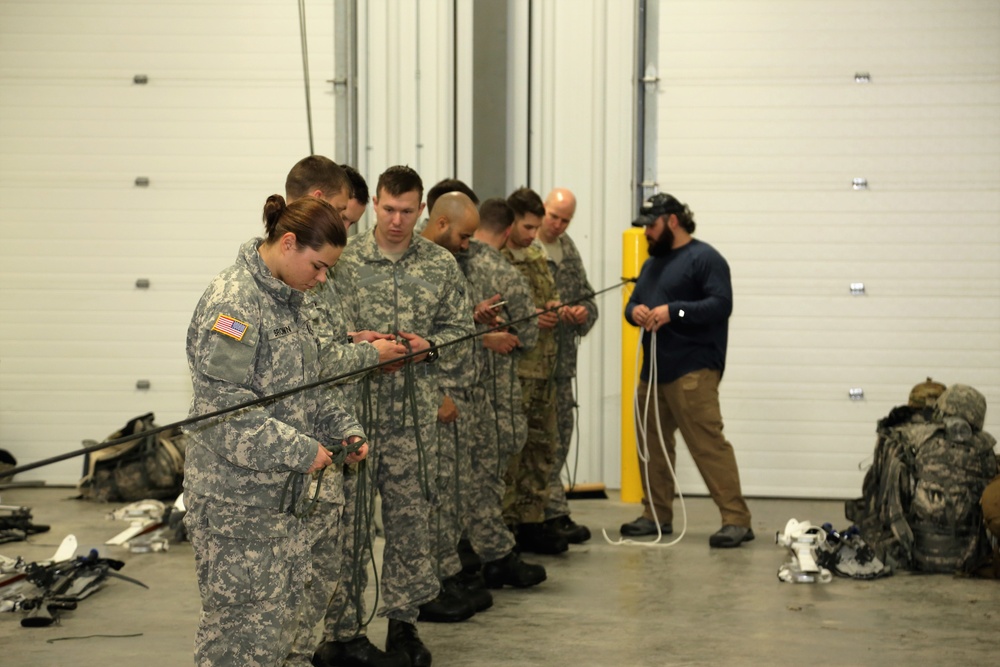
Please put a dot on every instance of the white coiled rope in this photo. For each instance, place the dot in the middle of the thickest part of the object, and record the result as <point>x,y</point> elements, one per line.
<point>642,447</point>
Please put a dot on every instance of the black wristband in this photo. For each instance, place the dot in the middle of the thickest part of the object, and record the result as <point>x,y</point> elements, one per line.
<point>432,354</point>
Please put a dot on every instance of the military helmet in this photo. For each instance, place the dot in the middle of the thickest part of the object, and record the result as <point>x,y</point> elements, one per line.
<point>961,400</point>
<point>991,507</point>
<point>924,394</point>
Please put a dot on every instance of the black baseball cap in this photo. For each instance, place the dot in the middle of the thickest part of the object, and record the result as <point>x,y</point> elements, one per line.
<point>654,207</point>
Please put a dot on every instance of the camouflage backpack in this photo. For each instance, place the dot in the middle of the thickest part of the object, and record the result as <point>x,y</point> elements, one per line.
<point>148,466</point>
<point>920,500</point>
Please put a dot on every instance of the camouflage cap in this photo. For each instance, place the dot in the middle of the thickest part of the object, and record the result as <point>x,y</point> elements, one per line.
<point>924,394</point>
<point>991,507</point>
<point>961,400</point>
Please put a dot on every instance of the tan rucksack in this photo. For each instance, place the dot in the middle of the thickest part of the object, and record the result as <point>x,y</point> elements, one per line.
<point>148,466</point>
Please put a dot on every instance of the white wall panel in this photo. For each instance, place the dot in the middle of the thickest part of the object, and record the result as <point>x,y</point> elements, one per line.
<point>762,128</point>
<point>406,92</point>
<point>215,130</point>
<point>581,138</point>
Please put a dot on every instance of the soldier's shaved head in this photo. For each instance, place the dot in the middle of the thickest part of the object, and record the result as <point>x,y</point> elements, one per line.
<point>560,207</point>
<point>452,222</point>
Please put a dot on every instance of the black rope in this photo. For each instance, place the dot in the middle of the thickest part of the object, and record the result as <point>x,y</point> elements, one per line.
<point>572,473</point>
<point>410,397</point>
<point>294,390</point>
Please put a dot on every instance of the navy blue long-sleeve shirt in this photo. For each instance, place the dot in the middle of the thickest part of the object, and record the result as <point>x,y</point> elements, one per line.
<point>694,282</point>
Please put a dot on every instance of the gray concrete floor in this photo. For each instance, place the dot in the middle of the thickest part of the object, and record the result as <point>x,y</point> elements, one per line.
<point>602,604</point>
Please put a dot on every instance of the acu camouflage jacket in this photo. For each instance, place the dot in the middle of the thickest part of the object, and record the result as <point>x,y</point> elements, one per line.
<point>571,281</point>
<point>489,273</point>
<point>250,337</point>
<point>532,263</point>
<point>422,293</point>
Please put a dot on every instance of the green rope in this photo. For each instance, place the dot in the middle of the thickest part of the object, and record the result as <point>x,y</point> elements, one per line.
<point>362,544</point>
<point>571,475</point>
<point>295,481</point>
<point>496,417</point>
<point>567,334</point>
<point>458,483</point>
<point>410,389</point>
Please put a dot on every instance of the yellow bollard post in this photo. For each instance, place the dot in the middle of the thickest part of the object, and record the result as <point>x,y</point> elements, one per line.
<point>634,254</point>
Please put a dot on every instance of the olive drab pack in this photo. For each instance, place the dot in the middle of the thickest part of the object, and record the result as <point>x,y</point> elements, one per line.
<point>148,466</point>
<point>920,506</point>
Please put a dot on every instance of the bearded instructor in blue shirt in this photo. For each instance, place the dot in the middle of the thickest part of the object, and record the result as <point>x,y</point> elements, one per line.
<point>684,298</point>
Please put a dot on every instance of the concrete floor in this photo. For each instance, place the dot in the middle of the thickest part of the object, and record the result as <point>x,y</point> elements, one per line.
<point>602,604</point>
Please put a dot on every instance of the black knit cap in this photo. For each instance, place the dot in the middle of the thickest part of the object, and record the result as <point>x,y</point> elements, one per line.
<point>654,207</point>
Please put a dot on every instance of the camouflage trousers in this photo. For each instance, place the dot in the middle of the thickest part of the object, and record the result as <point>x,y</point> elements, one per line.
<point>404,475</point>
<point>530,469</point>
<point>565,421</point>
<point>453,480</point>
<point>504,390</point>
<point>324,533</point>
<point>483,492</point>
<point>251,566</point>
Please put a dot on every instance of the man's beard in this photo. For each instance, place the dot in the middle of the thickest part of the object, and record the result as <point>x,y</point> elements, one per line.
<point>661,247</point>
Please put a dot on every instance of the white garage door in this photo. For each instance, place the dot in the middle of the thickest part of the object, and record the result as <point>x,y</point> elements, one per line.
<point>768,113</point>
<point>214,130</point>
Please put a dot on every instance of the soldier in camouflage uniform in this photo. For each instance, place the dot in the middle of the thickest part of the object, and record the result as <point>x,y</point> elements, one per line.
<point>425,308</point>
<point>247,472</point>
<point>451,434</point>
<point>479,477</point>
<point>502,383</point>
<point>331,525</point>
<point>502,295</point>
<point>575,321</point>
<point>344,577</point>
<point>358,202</point>
<point>451,225</point>
<point>532,468</point>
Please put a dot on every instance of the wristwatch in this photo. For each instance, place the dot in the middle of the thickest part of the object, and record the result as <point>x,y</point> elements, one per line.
<point>432,354</point>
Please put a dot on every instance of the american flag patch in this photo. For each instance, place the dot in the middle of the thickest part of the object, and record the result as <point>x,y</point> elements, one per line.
<point>230,327</point>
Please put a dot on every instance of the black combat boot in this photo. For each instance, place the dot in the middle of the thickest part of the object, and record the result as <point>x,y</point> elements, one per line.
<point>450,606</point>
<point>539,538</point>
<point>358,652</point>
<point>470,559</point>
<point>512,571</point>
<point>403,637</point>
<point>470,585</point>
<point>573,532</point>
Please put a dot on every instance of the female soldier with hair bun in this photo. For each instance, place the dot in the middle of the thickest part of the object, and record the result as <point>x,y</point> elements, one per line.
<point>247,472</point>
